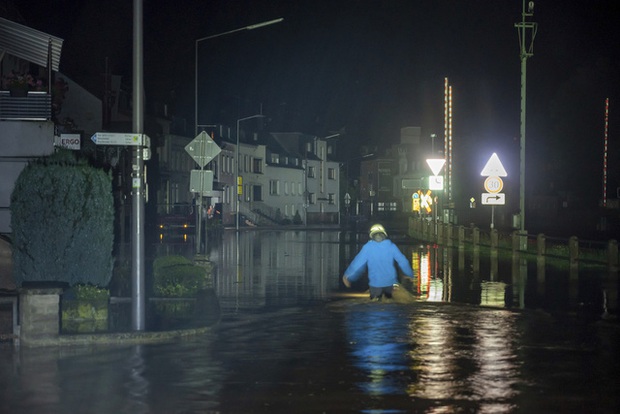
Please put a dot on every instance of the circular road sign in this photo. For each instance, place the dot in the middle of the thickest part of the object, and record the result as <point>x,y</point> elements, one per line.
<point>493,184</point>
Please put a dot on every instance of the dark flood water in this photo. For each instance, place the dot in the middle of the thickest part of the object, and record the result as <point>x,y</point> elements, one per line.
<point>476,338</point>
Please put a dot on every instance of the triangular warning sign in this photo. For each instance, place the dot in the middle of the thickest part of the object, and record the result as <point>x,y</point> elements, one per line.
<point>436,165</point>
<point>494,168</point>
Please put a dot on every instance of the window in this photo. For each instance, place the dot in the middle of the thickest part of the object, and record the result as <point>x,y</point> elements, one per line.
<point>311,198</point>
<point>286,188</point>
<point>311,171</point>
<point>275,158</point>
<point>330,198</point>
<point>331,173</point>
<point>274,187</point>
<point>257,165</point>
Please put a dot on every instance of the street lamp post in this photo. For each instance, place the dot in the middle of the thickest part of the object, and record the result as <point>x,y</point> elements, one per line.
<point>239,183</point>
<point>250,27</point>
<point>526,47</point>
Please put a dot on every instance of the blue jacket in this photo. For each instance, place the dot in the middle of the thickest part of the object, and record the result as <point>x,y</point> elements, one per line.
<point>379,258</point>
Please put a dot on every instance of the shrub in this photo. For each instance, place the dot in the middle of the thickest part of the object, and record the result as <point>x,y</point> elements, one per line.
<point>177,276</point>
<point>297,218</point>
<point>62,217</point>
<point>91,293</point>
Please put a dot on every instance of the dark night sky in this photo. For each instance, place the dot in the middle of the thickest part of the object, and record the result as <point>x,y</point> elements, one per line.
<point>373,67</point>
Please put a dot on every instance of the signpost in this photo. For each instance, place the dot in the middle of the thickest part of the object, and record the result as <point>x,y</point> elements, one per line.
<point>493,184</point>
<point>436,183</point>
<point>141,143</point>
<point>202,149</point>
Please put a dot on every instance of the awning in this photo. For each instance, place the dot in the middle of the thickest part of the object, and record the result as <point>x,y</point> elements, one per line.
<point>29,44</point>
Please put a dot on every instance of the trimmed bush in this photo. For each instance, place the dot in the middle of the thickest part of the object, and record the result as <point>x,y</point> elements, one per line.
<point>62,218</point>
<point>177,276</point>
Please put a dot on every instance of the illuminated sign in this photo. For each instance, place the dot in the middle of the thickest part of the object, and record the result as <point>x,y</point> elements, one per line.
<point>422,201</point>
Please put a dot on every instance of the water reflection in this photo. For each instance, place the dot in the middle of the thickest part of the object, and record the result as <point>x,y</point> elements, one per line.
<point>274,268</point>
<point>137,385</point>
<point>279,348</point>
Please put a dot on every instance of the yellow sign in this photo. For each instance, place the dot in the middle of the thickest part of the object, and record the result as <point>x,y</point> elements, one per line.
<point>415,200</point>
<point>422,200</point>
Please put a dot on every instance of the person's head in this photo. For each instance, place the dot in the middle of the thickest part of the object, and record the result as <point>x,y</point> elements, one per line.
<point>377,232</point>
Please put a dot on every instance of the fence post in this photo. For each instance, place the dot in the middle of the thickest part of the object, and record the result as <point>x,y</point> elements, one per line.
<point>515,242</point>
<point>449,230</point>
<point>461,237</point>
<point>475,237</point>
<point>573,250</point>
<point>612,255</point>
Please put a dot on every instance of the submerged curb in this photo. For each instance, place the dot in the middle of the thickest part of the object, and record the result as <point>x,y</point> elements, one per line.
<point>120,338</point>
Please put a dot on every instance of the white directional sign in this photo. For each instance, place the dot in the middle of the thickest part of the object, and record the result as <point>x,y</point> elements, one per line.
<point>492,199</point>
<point>202,149</point>
<point>118,138</point>
<point>494,167</point>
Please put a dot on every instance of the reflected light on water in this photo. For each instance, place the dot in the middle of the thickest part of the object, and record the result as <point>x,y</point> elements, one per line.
<point>371,334</point>
<point>137,385</point>
<point>471,361</point>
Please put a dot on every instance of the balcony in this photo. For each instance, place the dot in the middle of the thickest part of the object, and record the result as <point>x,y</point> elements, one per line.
<point>37,106</point>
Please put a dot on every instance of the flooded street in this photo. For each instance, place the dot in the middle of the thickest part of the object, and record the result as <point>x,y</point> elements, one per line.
<point>476,338</point>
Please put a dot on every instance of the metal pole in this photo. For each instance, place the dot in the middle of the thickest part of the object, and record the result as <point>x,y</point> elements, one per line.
<point>238,189</point>
<point>526,47</point>
<point>137,184</point>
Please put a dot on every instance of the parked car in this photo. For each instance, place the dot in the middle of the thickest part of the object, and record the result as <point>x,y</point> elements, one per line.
<point>181,218</point>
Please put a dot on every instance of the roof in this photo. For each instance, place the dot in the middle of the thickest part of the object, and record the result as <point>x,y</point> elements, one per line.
<point>29,44</point>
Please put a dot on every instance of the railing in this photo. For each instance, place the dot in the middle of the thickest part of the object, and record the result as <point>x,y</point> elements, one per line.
<point>571,249</point>
<point>37,106</point>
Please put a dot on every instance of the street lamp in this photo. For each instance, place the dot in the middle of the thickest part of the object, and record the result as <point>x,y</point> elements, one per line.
<point>250,27</point>
<point>526,47</point>
<point>239,183</point>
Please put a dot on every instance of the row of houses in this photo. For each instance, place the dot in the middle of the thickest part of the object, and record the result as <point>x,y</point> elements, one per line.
<point>285,177</point>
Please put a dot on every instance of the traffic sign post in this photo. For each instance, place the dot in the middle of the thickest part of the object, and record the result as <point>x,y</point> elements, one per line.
<point>203,150</point>
<point>493,184</point>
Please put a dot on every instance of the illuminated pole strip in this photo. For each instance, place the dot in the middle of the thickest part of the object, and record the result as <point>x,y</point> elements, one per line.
<point>446,135</point>
<point>450,143</point>
<point>605,153</point>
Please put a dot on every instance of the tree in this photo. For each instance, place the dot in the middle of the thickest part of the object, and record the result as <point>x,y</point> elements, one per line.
<point>62,216</point>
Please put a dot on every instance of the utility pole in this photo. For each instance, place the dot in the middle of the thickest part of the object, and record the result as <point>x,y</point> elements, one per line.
<point>527,32</point>
<point>137,176</point>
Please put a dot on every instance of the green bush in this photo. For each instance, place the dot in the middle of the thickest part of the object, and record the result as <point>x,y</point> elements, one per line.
<point>177,276</point>
<point>62,217</point>
<point>92,293</point>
